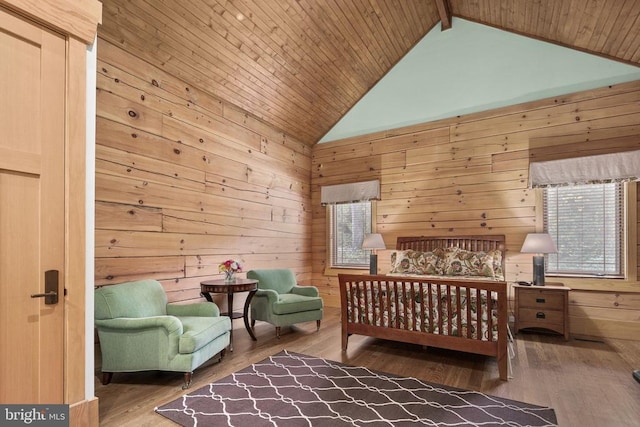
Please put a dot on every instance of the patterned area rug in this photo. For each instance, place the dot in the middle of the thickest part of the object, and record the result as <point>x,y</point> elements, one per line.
<point>290,389</point>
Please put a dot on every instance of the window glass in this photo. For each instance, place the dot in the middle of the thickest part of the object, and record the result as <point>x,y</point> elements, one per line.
<point>587,226</point>
<point>349,222</point>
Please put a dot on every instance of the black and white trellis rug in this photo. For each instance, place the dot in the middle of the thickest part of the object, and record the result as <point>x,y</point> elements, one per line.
<point>291,389</point>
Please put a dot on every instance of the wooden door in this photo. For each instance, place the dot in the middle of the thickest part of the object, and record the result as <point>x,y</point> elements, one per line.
<point>32,203</point>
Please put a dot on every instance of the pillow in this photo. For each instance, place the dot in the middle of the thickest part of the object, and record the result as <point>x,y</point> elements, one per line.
<point>460,262</point>
<point>415,262</point>
<point>497,264</point>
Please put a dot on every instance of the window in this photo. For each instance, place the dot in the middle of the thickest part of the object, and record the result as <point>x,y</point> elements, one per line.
<point>349,222</point>
<point>587,225</point>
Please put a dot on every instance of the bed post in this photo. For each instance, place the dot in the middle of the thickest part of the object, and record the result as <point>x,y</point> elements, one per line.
<point>343,311</point>
<point>503,354</point>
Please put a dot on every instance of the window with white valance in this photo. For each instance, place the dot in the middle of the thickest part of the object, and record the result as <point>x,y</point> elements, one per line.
<point>350,214</point>
<point>584,211</point>
<point>614,167</point>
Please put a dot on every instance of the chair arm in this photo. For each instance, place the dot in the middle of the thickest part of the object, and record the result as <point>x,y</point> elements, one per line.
<point>198,309</point>
<point>171,323</point>
<point>307,291</point>
<point>269,294</point>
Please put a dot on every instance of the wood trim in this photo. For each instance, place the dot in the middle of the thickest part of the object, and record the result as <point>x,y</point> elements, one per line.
<point>445,14</point>
<point>76,18</point>
<point>75,197</point>
<point>84,413</point>
<point>632,264</point>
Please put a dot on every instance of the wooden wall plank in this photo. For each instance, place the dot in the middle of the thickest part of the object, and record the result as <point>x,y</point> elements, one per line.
<point>133,140</point>
<point>595,327</point>
<point>175,221</point>
<point>131,112</point>
<point>120,163</point>
<point>118,216</point>
<point>612,300</point>
<point>118,270</point>
<point>154,76</point>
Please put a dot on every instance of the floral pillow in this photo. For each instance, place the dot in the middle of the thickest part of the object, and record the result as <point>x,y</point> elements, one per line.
<point>460,262</point>
<point>415,262</point>
<point>497,264</point>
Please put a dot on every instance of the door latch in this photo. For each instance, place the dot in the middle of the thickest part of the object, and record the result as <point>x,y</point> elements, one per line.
<point>50,294</point>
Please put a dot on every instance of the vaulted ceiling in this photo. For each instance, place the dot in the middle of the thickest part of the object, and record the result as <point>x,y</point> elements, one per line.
<point>300,65</point>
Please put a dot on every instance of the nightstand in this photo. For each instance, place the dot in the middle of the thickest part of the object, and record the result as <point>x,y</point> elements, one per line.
<point>542,307</point>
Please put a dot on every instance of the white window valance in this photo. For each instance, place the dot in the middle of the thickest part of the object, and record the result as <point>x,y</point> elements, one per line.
<point>615,167</point>
<point>349,193</point>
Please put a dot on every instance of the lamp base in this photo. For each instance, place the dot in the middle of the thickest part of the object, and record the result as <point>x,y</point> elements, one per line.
<point>538,270</point>
<point>373,264</point>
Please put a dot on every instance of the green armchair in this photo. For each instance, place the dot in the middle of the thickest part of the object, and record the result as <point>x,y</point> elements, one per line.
<point>281,302</point>
<point>139,331</point>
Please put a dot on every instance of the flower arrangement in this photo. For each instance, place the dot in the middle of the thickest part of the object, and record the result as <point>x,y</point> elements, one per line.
<point>229,268</point>
<point>230,265</point>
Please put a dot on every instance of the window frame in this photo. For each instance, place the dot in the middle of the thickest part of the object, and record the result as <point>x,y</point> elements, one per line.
<point>621,196</point>
<point>630,282</point>
<point>330,268</point>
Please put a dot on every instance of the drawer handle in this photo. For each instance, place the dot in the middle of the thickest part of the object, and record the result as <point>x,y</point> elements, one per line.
<point>540,315</point>
<point>540,300</point>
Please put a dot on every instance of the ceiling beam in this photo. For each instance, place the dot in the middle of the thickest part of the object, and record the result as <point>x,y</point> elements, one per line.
<point>445,14</point>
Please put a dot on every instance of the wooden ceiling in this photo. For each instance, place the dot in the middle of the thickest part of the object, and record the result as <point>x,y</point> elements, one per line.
<point>300,65</point>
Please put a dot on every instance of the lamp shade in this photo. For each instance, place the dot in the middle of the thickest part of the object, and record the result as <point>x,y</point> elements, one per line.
<point>373,241</point>
<point>538,243</point>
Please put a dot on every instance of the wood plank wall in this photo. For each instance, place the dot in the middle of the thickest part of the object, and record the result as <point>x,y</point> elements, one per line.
<point>468,175</point>
<point>185,181</point>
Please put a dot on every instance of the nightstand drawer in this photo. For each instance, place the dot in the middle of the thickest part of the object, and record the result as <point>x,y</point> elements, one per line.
<point>542,299</point>
<point>541,317</point>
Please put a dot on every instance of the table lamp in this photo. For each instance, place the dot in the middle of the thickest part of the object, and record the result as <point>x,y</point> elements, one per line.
<point>372,242</point>
<point>539,244</point>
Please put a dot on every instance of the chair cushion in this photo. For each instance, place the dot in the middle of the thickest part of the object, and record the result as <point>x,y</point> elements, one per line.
<point>292,303</point>
<point>200,331</point>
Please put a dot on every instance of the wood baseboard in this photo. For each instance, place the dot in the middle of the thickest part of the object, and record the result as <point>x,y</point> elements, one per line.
<point>84,413</point>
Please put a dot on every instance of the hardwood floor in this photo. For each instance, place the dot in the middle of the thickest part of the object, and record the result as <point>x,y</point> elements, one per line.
<point>588,383</point>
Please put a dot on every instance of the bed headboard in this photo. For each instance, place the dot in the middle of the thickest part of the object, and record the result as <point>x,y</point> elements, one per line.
<point>469,243</point>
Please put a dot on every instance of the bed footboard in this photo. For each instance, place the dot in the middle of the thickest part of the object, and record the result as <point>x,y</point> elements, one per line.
<point>461,315</point>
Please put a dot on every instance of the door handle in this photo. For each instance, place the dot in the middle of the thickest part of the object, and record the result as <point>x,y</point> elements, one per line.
<point>50,294</point>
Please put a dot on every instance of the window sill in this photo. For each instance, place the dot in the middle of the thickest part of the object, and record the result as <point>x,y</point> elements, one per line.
<point>343,270</point>
<point>598,284</point>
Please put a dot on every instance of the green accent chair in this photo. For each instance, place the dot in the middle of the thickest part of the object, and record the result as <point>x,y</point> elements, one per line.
<point>281,302</point>
<point>140,331</point>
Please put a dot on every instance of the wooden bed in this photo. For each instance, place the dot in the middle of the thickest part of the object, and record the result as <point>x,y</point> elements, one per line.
<point>458,313</point>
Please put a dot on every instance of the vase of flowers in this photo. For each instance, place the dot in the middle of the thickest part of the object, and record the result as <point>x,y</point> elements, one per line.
<point>229,268</point>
